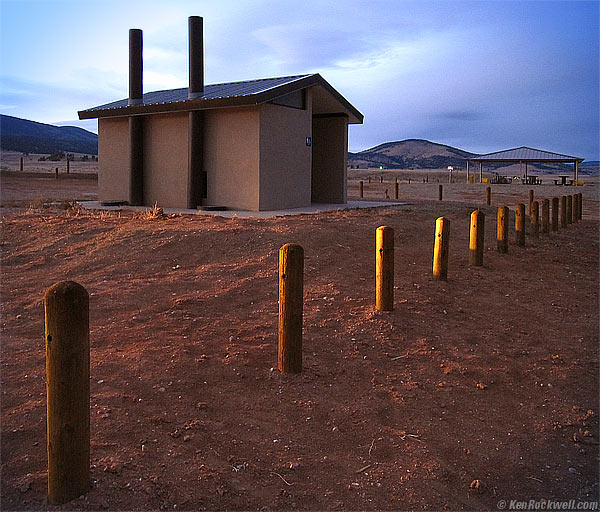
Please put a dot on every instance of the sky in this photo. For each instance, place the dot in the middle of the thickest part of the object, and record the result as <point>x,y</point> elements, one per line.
<point>478,75</point>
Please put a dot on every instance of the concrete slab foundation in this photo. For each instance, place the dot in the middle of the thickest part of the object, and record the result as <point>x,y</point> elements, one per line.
<point>314,208</point>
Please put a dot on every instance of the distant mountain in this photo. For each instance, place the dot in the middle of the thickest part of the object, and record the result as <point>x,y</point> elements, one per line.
<point>410,154</point>
<point>31,137</point>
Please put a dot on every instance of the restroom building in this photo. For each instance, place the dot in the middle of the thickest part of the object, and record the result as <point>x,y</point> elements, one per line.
<point>266,144</point>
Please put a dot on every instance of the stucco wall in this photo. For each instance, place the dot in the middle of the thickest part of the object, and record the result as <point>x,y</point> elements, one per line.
<point>231,157</point>
<point>113,164</point>
<point>166,160</point>
<point>285,159</point>
<point>330,147</point>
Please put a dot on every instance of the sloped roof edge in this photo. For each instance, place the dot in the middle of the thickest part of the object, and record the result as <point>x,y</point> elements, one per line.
<point>231,94</point>
<point>525,154</point>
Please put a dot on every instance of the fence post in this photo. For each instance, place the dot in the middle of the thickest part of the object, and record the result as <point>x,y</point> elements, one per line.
<point>361,189</point>
<point>291,297</point>
<point>545,216</point>
<point>563,211</point>
<point>476,238</point>
<point>502,235</point>
<point>66,307</point>
<point>555,208</point>
<point>440,192</point>
<point>530,201</point>
<point>56,173</point>
<point>396,189</point>
<point>520,225</point>
<point>575,208</point>
<point>534,219</point>
<point>488,195</point>
<point>441,249</point>
<point>68,165</point>
<point>21,165</point>
<point>569,209</point>
<point>384,269</point>
<point>580,205</point>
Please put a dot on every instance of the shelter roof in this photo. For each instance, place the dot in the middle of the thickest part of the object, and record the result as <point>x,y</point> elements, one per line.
<point>525,154</point>
<point>231,94</point>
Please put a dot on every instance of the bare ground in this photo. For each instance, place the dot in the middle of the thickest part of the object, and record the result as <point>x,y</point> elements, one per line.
<point>492,376</point>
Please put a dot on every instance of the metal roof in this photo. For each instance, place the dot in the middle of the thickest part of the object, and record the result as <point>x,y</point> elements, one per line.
<point>525,154</point>
<point>249,92</point>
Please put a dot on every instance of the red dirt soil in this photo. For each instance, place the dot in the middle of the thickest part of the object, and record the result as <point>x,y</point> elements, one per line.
<point>492,376</point>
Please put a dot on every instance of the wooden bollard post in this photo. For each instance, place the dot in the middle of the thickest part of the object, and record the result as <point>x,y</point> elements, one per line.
<point>68,166</point>
<point>569,209</point>
<point>563,211</point>
<point>21,165</point>
<point>575,208</point>
<point>67,391</point>
<point>534,219</point>
<point>381,179</point>
<point>555,208</point>
<point>502,230</point>
<point>520,225</point>
<point>580,205</point>
<point>441,249</point>
<point>384,269</point>
<point>440,192</point>
<point>396,190</point>
<point>545,216</point>
<point>56,172</point>
<point>361,189</point>
<point>291,297</point>
<point>530,201</point>
<point>488,196</point>
<point>476,238</point>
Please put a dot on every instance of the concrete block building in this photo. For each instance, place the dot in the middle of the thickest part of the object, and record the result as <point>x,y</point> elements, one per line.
<point>267,144</point>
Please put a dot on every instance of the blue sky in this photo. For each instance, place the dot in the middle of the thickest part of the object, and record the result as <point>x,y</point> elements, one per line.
<point>482,76</point>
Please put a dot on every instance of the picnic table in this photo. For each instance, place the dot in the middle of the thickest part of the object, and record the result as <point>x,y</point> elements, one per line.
<point>563,180</point>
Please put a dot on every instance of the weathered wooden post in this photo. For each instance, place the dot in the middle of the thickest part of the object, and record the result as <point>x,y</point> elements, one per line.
<point>291,297</point>
<point>361,189</point>
<point>563,211</point>
<point>441,249</point>
<point>502,229</point>
<point>67,391</point>
<point>56,173</point>
<point>396,189</point>
<point>534,219</point>
<point>575,215</point>
<point>21,164</point>
<point>440,192</point>
<point>476,238</point>
<point>545,216</point>
<point>520,225</point>
<point>488,195</point>
<point>68,165</point>
<point>555,209</point>
<point>384,269</point>
<point>381,179</point>
<point>569,209</point>
<point>530,201</point>
<point>580,205</point>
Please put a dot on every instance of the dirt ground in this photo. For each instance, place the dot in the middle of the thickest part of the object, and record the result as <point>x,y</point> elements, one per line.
<point>473,391</point>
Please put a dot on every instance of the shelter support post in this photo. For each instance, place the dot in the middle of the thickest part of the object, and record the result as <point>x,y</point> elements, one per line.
<point>467,171</point>
<point>576,173</point>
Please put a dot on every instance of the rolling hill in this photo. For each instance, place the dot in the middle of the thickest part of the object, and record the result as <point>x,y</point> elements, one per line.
<point>32,137</point>
<point>410,154</point>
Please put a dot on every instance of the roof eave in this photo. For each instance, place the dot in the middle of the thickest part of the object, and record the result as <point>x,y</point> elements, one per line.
<point>517,160</point>
<point>354,116</point>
